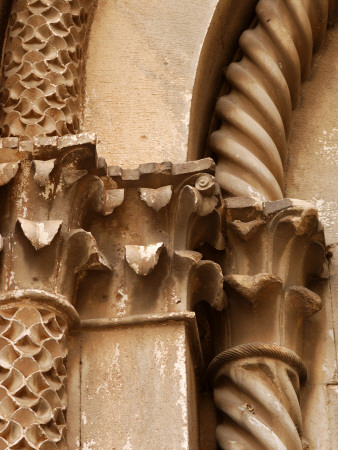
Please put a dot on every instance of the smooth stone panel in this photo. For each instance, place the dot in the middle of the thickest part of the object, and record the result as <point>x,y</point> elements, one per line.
<point>137,389</point>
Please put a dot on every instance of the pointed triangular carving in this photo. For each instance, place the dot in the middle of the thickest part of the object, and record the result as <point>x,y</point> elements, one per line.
<point>143,258</point>
<point>156,198</point>
<point>112,199</point>
<point>84,246</point>
<point>40,234</point>
<point>43,170</point>
<point>8,171</point>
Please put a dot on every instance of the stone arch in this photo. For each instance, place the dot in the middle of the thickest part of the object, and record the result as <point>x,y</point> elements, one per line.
<point>254,111</point>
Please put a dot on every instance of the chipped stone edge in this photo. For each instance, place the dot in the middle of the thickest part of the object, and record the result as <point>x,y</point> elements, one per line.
<point>166,168</point>
<point>188,317</point>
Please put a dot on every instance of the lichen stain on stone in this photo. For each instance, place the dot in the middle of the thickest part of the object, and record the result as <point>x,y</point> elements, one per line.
<point>89,445</point>
<point>121,303</point>
<point>84,418</point>
<point>161,357</point>
<point>327,211</point>
<point>180,369</point>
<point>128,446</point>
<point>111,367</point>
<point>329,146</point>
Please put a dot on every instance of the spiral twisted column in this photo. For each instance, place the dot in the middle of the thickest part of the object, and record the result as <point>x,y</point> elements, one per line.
<point>256,387</point>
<point>275,248</point>
<point>33,397</point>
<point>251,142</point>
<point>42,67</point>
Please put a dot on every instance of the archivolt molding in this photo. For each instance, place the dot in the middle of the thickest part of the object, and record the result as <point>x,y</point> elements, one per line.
<point>251,143</point>
<point>42,67</point>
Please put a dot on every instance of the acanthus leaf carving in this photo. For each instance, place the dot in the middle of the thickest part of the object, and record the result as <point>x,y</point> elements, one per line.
<point>42,171</point>
<point>40,233</point>
<point>156,198</point>
<point>196,279</point>
<point>207,285</point>
<point>88,256</point>
<point>8,172</point>
<point>143,258</point>
<point>112,199</point>
<point>193,205</point>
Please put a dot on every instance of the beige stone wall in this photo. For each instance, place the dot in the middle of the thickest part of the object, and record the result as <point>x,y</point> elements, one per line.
<point>146,62</point>
<point>141,67</point>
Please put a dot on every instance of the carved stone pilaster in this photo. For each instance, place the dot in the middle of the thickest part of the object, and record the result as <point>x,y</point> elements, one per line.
<point>66,216</point>
<point>276,252</point>
<point>51,187</point>
<point>160,271</point>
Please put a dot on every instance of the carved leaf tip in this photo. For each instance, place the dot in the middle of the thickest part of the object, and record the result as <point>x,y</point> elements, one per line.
<point>246,230</point>
<point>299,297</point>
<point>40,234</point>
<point>83,244</point>
<point>42,171</point>
<point>209,285</point>
<point>253,286</point>
<point>112,199</point>
<point>143,258</point>
<point>156,198</point>
<point>7,172</point>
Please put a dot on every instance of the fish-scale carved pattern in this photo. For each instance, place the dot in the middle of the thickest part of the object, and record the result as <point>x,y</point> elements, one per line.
<point>251,143</point>
<point>32,379</point>
<point>41,68</point>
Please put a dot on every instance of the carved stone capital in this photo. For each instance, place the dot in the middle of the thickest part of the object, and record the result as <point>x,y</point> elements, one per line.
<point>276,253</point>
<point>75,229</point>
<point>52,187</point>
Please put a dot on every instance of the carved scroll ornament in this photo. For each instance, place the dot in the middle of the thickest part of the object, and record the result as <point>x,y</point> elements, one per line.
<point>276,249</point>
<point>251,143</point>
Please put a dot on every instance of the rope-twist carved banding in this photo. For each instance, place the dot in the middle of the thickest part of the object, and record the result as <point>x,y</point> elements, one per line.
<point>42,67</point>
<point>258,349</point>
<point>32,378</point>
<point>258,398</point>
<point>251,142</point>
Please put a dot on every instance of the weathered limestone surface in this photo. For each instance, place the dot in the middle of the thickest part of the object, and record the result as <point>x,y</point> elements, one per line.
<point>145,274</point>
<point>142,379</point>
<point>312,175</point>
<point>143,70</point>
